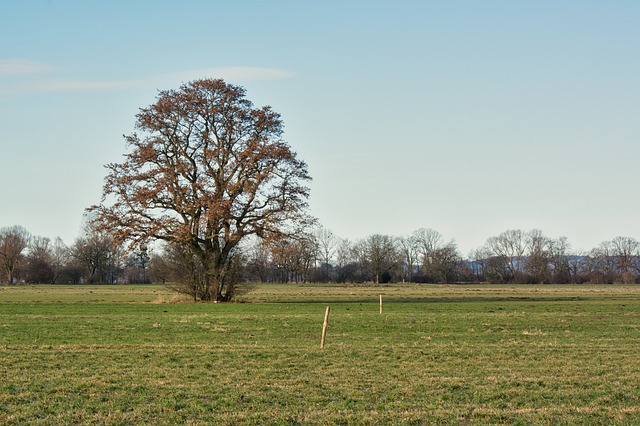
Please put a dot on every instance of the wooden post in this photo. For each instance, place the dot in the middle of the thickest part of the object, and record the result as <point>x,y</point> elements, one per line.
<point>380,304</point>
<point>324,326</point>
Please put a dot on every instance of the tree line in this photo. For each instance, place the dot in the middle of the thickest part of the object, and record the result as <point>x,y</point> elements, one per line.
<point>425,256</point>
<point>93,257</point>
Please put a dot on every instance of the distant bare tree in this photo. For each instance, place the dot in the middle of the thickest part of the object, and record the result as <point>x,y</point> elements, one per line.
<point>625,251</point>
<point>39,261</point>
<point>305,256</point>
<point>159,268</point>
<point>258,255</point>
<point>13,242</point>
<point>508,248</point>
<point>408,250</point>
<point>426,241</point>
<point>60,258</point>
<point>347,266</point>
<point>600,264</point>
<point>327,243</point>
<point>379,256</point>
<point>560,261</point>
<point>99,253</point>
<point>479,258</point>
<point>137,265</point>
<point>293,257</point>
<point>444,263</point>
<point>613,261</point>
<point>578,266</point>
<point>536,264</point>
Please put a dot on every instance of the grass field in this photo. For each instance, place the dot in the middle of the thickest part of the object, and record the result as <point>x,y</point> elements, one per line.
<point>436,355</point>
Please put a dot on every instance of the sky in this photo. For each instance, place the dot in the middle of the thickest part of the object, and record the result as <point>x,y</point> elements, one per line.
<point>467,117</point>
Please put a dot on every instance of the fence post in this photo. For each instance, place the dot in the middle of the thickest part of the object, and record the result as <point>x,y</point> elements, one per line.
<point>324,326</point>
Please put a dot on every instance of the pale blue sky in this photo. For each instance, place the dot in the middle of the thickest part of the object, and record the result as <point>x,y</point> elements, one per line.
<point>469,117</point>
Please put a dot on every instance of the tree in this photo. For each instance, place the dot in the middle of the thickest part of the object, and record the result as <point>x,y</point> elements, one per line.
<point>426,242</point>
<point>61,259</point>
<point>258,267</point>
<point>348,268</point>
<point>480,263</point>
<point>99,255</point>
<point>407,248</point>
<point>40,261</point>
<point>293,257</point>
<point>137,265</point>
<point>507,251</point>
<point>537,262</point>
<point>379,256</point>
<point>159,268</point>
<point>13,241</point>
<point>560,261</point>
<point>445,261</point>
<point>326,243</point>
<point>601,264</point>
<point>626,251</point>
<point>206,171</point>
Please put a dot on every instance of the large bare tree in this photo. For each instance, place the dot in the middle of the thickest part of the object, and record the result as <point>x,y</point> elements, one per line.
<point>206,170</point>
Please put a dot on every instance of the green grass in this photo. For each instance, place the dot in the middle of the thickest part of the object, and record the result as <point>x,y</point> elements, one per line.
<point>437,355</point>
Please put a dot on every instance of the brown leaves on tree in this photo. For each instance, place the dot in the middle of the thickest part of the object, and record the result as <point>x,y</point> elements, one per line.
<point>204,170</point>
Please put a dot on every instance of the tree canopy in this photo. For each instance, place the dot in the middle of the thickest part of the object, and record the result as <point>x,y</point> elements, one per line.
<point>205,169</point>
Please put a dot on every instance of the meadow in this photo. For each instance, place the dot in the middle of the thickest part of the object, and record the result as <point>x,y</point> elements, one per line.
<point>479,354</point>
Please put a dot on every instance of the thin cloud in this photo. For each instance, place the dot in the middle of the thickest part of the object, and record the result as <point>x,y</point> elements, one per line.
<point>237,74</point>
<point>65,85</point>
<point>69,85</point>
<point>61,85</point>
<point>20,67</point>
